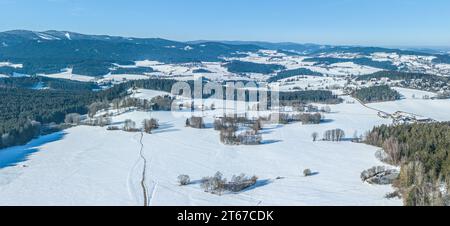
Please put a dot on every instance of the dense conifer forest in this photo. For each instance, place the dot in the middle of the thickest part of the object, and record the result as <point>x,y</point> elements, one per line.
<point>423,152</point>
<point>387,65</point>
<point>376,94</point>
<point>291,73</point>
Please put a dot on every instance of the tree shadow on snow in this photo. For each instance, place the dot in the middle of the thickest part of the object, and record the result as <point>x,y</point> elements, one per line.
<point>209,125</point>
<point>14,155</point>
<point>313,174</point>
<point>267,142</point>
<point>165,128</point>
<point>325,121</point>
<point>270,130</point>
<point>259,183</point>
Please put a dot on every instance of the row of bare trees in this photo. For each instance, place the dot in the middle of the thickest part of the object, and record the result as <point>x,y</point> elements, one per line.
<point>148,125</point>
<point>335,135</point>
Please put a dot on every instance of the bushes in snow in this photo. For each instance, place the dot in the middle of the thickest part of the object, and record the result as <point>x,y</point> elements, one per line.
<point>379,175</point>
<point>98,121</point>
<point>73,119</point>
<point>184,180</point>
<point>195,122</point>
<point>310,118</point>
<point>215,184</point>
<point>112,128</point>
<point>229,126</point>
<point>240,183</point>
<point>392,195</point>
<point>305,118</point>
<point>249,138</point>
<point>130,126</point>
<point>307,172</point>
<point>150,124</point>
<point>162,103</point>
<point>218,185</point>
<point>97,106</point>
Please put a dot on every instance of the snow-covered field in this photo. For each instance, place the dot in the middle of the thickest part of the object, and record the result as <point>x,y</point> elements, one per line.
<point>67,74</point>
<point>9,64</point>
<point>119,78</point>
<point>310,83</point>
<point>92,166</point>
<point>414,103</point>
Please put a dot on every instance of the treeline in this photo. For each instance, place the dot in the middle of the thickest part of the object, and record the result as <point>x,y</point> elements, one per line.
<point>309,96</point>
<point>395,75</point>
<point>423,152</point>
<point>387,65</point>
<point>442,59</point>
<point>286,98</point>
<point>420,81</point>
<point>250,67</point>
<point>201,70</point>
<point>291,73</point>
<point>376,94</point>
<point>136,70</point>
<point>23,110</point>
<point>45,82</point>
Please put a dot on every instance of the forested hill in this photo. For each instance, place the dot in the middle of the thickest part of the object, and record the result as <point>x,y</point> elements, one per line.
<point>423,152</point>
<point>51,51</point>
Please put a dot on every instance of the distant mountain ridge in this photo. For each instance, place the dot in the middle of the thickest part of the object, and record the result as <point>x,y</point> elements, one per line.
<point>50,51</point>
<point>95,55</point>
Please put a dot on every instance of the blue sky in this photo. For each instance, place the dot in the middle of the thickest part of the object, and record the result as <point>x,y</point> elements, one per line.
<point>356,22</point>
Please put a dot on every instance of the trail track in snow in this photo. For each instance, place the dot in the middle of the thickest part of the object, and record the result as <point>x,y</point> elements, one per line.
<point>144,172</point>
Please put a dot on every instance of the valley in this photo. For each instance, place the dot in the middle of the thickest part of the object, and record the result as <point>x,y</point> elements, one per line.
<point>82,138</point>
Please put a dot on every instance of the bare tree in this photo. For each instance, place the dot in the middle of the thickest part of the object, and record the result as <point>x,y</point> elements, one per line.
<point>73,118</point>
<point>307,172</point>
<point>334,135</point>
<point>150,124</point>
<point>393,149</point>
<point>130,125</point>
<point>215,185</point>
<point>184,180</point>
<point>315,135</point>
<point>95,107</point>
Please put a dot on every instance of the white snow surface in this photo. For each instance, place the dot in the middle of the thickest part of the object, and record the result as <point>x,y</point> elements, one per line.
<point>435,109</point>
<point>92,166</point>
<point>67,74</point>
<point>9,64</point>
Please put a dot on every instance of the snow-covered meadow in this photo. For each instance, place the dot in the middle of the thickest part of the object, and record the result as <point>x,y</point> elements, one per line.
<point>93,166</point>
<point>413,102</point>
